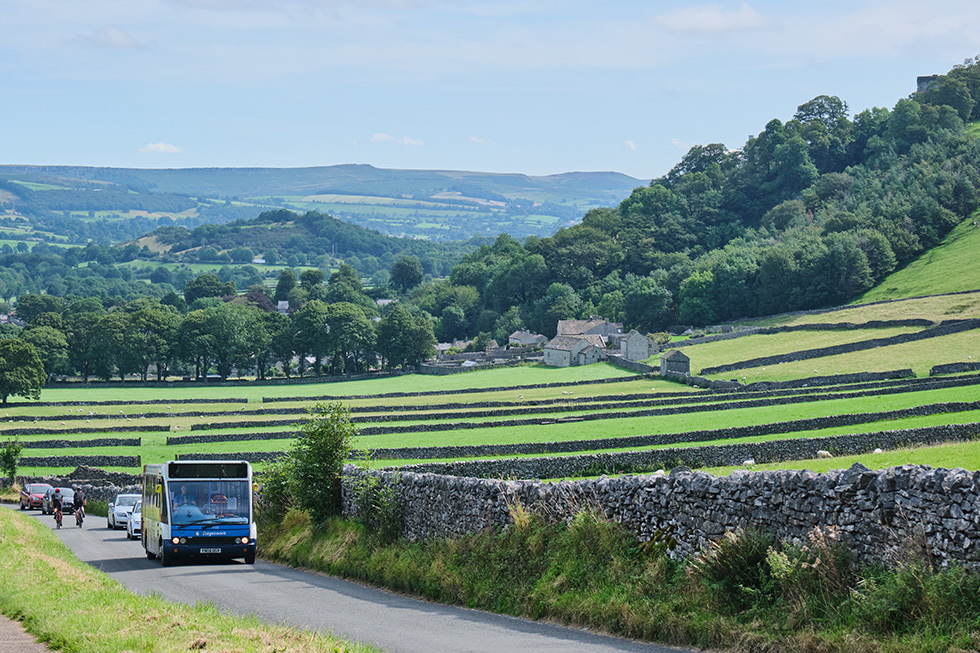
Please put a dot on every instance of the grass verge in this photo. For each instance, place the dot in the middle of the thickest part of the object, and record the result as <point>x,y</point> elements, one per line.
<point>57,597</point>
<point>751,594</point>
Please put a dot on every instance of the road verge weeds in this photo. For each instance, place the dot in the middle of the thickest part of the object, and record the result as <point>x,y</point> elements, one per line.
<point>749,593</point>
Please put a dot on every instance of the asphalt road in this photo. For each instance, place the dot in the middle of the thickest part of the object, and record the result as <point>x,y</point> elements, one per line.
<point>279,594</point>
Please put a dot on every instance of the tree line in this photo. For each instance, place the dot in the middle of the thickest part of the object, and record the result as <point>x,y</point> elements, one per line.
<point>810,213</point>
<point>211,328</point>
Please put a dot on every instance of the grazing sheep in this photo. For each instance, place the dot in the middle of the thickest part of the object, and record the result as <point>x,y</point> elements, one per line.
<point>749,462</point>
<point>878,451</point>
<point>824,454</point>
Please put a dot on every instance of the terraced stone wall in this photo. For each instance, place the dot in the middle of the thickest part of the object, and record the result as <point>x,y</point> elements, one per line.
<point>876,512</point>
<point>702,456</point>
<point>74,461</point>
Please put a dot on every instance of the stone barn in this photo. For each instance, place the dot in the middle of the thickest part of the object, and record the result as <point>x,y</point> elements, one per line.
<point>675,361</point>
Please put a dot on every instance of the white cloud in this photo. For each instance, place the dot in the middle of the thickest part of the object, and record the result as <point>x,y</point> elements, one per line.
<point>111,37</point>
<point>631,145</point>
<point>161,148</point>
<point>713,18</point>
<point>479,140</point>
<point>680,145</point>
<point>381,137</point>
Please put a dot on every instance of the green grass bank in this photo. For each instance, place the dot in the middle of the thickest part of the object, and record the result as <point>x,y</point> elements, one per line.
<point>72,607</point>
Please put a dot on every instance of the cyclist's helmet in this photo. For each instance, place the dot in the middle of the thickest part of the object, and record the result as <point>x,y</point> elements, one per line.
<point>57,490</point>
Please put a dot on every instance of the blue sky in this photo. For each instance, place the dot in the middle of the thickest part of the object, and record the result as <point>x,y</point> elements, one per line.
<point>532,86</point>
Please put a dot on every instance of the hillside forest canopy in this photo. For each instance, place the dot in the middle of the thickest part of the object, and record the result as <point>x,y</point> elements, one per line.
<point>811,212</point>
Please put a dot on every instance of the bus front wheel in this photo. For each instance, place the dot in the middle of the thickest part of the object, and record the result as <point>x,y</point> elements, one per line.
<point>166,558</point>
<point>250,558</point>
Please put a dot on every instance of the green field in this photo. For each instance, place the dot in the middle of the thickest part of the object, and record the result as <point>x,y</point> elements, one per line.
<point>953,266</point>
<point>964,455</point>
<point>502,387</point>
<point>266,270</point>
<point>937,309</point>
<point>919,355</point>
<point>755,346</point>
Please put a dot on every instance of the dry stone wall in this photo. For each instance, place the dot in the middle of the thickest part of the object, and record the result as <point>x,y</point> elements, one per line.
<point>94,442</point>
<point>877,512</point>
<point>98,484</point>
<point>954,368</point>
<point>700,456</point>
<point>73,461</point>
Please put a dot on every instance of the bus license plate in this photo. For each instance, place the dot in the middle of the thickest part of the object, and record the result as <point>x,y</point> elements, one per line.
<point>211,550</point>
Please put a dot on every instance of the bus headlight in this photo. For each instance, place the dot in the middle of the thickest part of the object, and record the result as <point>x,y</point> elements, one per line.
<point>176,540</point>
<point>244,540</point>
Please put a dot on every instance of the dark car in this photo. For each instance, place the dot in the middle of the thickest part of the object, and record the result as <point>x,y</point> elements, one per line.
<point>66,502</point>
<point>32,494</point>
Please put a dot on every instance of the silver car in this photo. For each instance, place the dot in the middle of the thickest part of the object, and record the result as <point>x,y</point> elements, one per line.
<point>134,528</point>
<point>118,513</point>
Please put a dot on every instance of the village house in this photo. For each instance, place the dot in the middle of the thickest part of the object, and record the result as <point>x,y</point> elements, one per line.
<point>635,346</point>
<point>525,338</point>
<point>611,332</point>
<point>566,351</point>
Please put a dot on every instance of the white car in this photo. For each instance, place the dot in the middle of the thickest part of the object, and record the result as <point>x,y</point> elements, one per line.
<point>134,528</point>
<point>119,509</point>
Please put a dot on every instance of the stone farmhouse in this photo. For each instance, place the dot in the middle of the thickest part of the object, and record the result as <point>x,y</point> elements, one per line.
<point>583,342</point>
<point>525,338</point>
<point>566,351</point>
<point>611,332</point>
<point>635,346</point>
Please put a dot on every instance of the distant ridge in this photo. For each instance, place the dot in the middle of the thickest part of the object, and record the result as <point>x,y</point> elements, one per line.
<point>599,187</point>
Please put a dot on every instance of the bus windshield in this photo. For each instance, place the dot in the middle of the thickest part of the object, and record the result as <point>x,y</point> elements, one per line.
<point>209,502</point>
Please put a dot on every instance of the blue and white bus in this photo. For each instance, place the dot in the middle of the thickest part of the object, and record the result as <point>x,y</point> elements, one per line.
<point>199,508</point>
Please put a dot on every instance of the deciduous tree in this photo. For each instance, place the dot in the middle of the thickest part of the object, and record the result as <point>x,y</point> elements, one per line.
<point>21,370</point>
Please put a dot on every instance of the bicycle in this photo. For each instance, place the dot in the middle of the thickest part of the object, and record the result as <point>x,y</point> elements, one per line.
<point>57,516</point>
<point>79,516</point>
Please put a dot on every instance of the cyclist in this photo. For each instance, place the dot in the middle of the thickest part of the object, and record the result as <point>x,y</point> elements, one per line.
<point>57,502</point>
<point>79,503</point>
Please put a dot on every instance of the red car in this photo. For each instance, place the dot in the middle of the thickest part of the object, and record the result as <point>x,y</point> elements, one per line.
<point>31,495</point>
